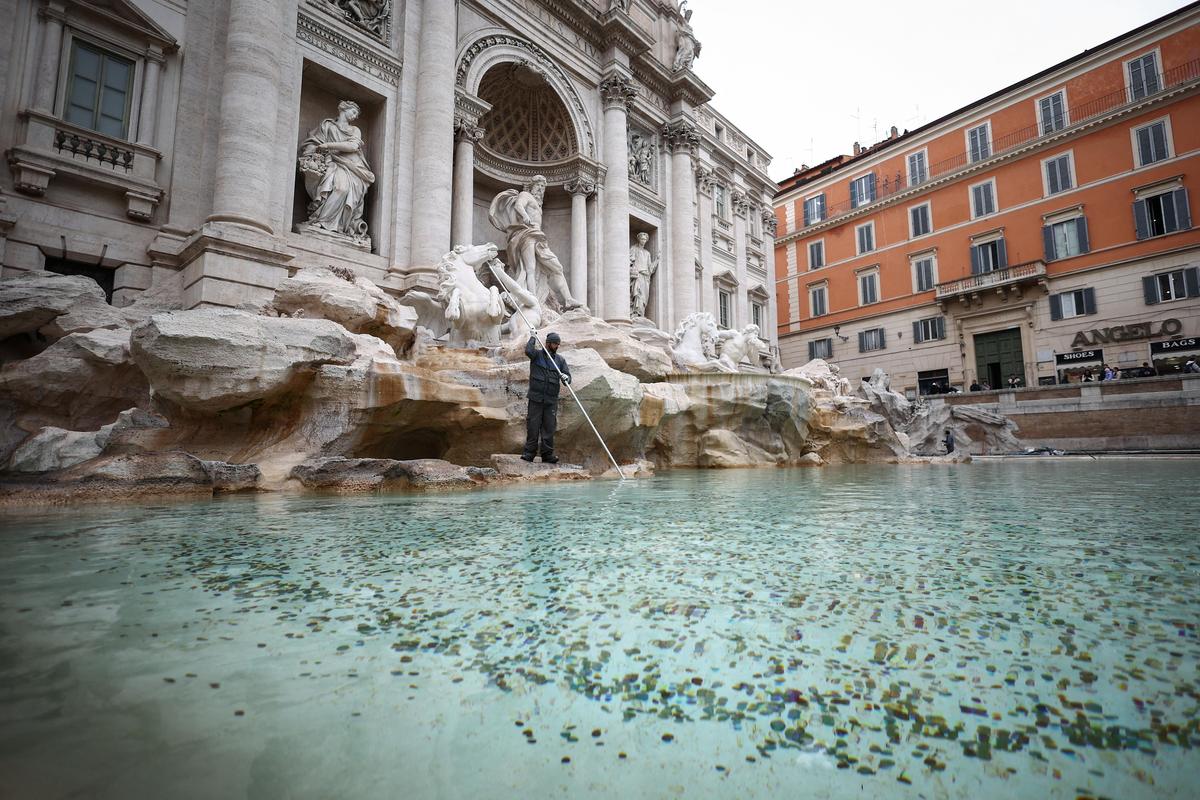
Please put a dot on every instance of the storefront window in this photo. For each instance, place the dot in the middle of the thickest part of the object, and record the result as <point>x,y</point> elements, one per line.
<point>1168,357</point>
<point>1079,366</point>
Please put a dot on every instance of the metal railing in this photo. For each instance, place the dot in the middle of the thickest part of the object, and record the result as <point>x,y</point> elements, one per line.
<point>986,280</point>
<point>95,148</point>
<point>1077,114</point>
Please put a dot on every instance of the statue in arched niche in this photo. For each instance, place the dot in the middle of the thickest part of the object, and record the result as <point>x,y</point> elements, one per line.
<point>519,214</point>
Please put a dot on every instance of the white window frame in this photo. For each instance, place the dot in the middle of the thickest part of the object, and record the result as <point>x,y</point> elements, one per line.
<point>124,50</point>
<point>928,255</point>
<point>995,198</point>
<point>804,204</point>
<point>723,293</point>
<point>1158,63</point>
<point>858,241</point>
<point>862,274</point>
<point>828,339</point>
<point>758,313</point>
<point>1137,156</point>
<point>721,209</point>
<point>1175,295</point>
<point>987,123</point>
<point>865,202</point>
<point>924,152</point>
<point>912,234</point>
<point>1070,154</point>
<point>1076,311</point>
<point>879,344</point>
<point>1037,110</point>
<point>808,254</point>
<point>822,287</point>
<point>932,323</point>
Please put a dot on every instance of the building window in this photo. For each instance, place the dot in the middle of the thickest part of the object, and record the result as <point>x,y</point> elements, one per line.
<point>721,203</point>
<point>820,348</point>
<point>817,301</point>
<point>1058,173</point>
<point>918,168</point>
<point>865,237</point>
<point>868,288</point>
<point>919,220</point>
<point>1065,239</point>
<point>99,91</point>
<point>816,254</point>
<point>862,191</point>
<point>1143,76</point>
<point>1178,284</point>
<point>983,199</point>
<point>924,273</point>
<point>1151,143</point>
<point>814,210</point>
<point>1072,304</point>
<point>926,330</point>
<point>724,307</point>
<point>756,314</point>
<point>1052,112</point>
<point>988,256</point>
<point>979,142</point>
<point>873,339</point>
<point>1162,213</point>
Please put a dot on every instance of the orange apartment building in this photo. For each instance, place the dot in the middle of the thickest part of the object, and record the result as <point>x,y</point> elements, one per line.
<point>1039,232</point>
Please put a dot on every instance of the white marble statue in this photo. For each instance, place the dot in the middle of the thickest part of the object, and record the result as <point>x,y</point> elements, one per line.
<point>738,346</point>
<point>519,215</point>
<point>694,345</point>
<point>642,266</point>
<point>824,375</point>
<point>336,177</point>
<point>686,50</point>
<point>473,310</point>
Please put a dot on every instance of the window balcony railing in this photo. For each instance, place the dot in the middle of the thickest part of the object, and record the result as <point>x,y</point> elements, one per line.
<point>1079,113</point>
<point>975,284</point>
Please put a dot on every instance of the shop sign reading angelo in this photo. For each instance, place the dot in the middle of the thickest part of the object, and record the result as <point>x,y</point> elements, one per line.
<point>1125,333</point>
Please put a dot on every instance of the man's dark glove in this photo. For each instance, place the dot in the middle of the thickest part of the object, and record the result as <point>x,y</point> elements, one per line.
<point>566,379</point>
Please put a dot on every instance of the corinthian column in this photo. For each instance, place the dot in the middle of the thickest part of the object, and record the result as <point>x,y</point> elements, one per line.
<point>618,93</point>
<point>579,189</point>
<point>466,134</point>
<point>681,139</point>
<point>433,137</point>
<point>249,106</point>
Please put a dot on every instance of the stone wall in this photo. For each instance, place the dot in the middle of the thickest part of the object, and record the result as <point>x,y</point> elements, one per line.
<point>1134,414</point>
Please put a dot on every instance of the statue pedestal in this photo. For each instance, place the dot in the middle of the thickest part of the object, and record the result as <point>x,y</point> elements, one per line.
<point>362,243</point>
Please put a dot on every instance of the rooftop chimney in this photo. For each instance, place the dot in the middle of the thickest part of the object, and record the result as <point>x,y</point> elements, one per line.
<point>895,132</point>
<point>857,149</point>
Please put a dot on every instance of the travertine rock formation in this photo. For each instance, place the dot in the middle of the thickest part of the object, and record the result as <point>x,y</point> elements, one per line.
<point>220,399</point>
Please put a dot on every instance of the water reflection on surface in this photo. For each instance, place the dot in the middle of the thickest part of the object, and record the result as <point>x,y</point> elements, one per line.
<point>996,630</point>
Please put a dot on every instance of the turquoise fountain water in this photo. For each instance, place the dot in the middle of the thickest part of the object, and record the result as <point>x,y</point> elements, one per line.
<point>997,630</point>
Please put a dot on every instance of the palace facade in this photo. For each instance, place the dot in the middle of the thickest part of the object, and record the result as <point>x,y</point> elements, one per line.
<point>1035,234</point>
<point>150,137</point>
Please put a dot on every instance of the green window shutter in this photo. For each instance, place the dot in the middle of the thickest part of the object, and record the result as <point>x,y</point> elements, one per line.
<point>1055,307</point>
<point>1150,289</point>
<point>1191,279</point>
<point>917,332</point>
<point>1082,231</point>
<point>1141,219</point>
<point>1048,241</point>
<point>1089,301</point>
<point>1182,213</point>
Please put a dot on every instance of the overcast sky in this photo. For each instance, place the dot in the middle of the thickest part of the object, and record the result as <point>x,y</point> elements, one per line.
<point>808,78</point>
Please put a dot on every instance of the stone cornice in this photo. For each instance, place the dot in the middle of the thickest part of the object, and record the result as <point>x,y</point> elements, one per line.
<point>468,109</point>
<point>618,30</point>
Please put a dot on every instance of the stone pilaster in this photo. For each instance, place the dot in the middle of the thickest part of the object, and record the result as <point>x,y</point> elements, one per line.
<point>681,139</point>
<point>741,208</point>
<point>148,115</point>
<point>46,80</point>
<point>704,185</point>
<point>433,145</point>
<point>579,189</point>
<point>618,93</point>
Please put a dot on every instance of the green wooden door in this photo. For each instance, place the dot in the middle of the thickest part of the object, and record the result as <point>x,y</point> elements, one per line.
<point>997,356</point>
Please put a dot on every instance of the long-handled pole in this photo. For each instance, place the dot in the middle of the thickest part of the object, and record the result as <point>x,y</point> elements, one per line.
<point>561,377</point>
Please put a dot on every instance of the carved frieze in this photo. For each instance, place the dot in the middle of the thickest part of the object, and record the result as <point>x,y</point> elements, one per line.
<point>323,37</point>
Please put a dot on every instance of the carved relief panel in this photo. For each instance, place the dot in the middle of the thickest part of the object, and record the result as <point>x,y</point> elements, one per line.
<point>643,157</point>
